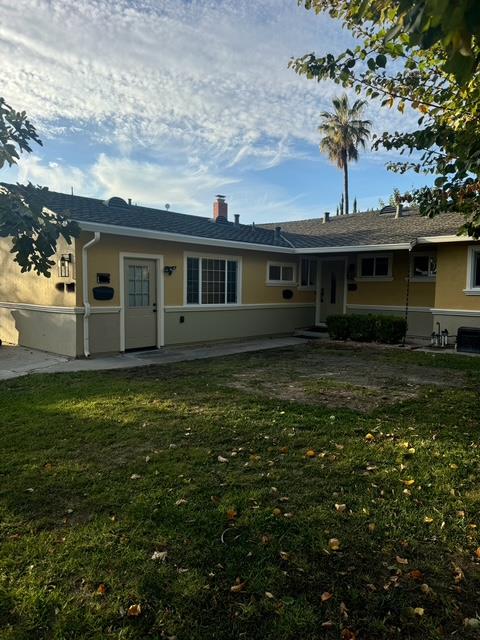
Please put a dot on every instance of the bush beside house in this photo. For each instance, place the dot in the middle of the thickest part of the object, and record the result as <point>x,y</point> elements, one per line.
<point>367,328</point>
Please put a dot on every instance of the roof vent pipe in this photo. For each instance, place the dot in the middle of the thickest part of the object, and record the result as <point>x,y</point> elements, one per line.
<point>278,235</point>
<point>326,217</point>
<point>129,202</point>
<point>398,210</point>
<point>237,218</point>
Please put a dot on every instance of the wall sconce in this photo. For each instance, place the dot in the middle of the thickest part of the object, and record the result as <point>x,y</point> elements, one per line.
<point>169,270</point>
<point>64,266</point>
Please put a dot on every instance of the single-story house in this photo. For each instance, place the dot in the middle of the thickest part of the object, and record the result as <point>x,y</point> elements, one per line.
<point>138,277</point>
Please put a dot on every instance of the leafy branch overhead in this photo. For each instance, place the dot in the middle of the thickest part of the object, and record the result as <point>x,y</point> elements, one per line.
<point>23,217</point>
<point>422,55</point>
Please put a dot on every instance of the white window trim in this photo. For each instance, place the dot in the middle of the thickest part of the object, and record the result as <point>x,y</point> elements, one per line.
<point>307,287</point>
<point>413,278</point>
<point>212,256</point>
<point>387,278</point>
<point>470,289</point>
<point>281,283</point>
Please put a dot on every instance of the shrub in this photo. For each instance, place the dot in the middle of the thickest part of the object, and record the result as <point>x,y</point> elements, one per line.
<point>367,328</point>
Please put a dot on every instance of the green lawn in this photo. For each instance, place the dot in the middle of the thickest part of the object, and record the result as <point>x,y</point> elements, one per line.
<point>101,471</point>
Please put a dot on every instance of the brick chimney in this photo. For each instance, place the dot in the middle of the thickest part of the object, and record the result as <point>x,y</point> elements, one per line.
<point>220,209</point>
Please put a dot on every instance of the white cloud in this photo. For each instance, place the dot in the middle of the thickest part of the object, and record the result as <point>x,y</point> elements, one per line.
<point>202,77</point>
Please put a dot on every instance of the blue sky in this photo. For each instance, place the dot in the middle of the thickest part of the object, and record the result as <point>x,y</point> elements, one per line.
<point>173,101</point>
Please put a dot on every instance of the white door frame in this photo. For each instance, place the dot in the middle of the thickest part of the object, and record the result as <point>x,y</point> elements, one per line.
<point>320,261</point>
<point>158,259</point>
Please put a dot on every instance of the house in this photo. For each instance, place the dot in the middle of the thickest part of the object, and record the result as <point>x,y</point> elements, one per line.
<point>138,277</point>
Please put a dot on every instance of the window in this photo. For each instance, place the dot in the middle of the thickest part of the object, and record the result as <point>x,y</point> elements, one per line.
<point>138,286</point>
<point>423,265</point>
<point>281,273</point>
<point>375,266</point>
<point>308,272</point>
<point>473,271</point>
<point>212,281</point>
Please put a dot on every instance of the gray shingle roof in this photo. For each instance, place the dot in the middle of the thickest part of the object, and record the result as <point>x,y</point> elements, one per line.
<point>131,216</point>
<point>363,229</point>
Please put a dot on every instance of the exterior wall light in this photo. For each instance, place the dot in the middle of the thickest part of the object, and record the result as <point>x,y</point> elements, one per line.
<point>64,265</point>
<point>169,270</point>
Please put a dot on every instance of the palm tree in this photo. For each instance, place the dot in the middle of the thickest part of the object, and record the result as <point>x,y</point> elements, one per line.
<point>343,134</point>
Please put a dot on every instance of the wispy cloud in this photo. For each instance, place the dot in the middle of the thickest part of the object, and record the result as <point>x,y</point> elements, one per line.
<point>183,97</point>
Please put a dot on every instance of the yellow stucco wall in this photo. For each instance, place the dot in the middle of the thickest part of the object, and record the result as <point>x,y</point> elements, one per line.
<point>29,288</point>
<point>105,258</point>
<point>452,278</point>
<point>393,292</point>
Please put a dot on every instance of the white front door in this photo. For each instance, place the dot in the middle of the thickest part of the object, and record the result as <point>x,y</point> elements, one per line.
<point>140,303</point>
<point>332,288</point>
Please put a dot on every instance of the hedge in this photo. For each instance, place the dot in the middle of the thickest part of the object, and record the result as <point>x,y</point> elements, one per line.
<point>367,328</point>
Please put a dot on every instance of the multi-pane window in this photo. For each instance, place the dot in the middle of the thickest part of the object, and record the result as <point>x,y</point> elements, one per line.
<point>476,269</point>
<point>212,281</point>
<point>138,286</point>
<point>424,266</point>
<point>308,272</point>
<point>281,273</point>
<point>375,266</point>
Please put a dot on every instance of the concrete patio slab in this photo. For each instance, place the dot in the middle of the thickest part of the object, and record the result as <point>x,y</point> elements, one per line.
<point>19,361</point>
<point>27,361</point>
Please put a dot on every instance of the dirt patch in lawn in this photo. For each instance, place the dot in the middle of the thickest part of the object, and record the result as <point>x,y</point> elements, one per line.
<point>361,378</point>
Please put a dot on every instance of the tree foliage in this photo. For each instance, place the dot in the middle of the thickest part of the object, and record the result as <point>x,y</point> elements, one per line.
<point>424,54</point>
<point>343,133</point>
<point>23,217</point>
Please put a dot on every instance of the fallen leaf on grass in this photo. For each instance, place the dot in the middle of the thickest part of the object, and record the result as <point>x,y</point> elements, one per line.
<point>408,483</point>
<point>340,507</point>
<point>231,514</point>
<point>310,454</point>
<point>222,460</point>
<point>238,586</point>
<point>371,527</point>
<point>159,555</point>
<point>135,476</point>
<point>134,610</point>
<point>348,634</point>
<point>458,575</point>
<point>326,595</point>
<point>328,624</point>
<point>102,589</point>
<point>284,555</point>
<point>416,574</point>
<point>334,544</point>
<point>471,623</point>
<point>419,611</point>
<point>428,520</point>
<point>401,560</point>
<point>370,437</point>
<point>477,552</point>
<point>269,595</point>
<point>277,512</point>
<point>181,501</point>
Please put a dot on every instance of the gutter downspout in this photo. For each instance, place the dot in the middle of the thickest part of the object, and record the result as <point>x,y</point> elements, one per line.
<point>86,303</point>
<point>407,301</point>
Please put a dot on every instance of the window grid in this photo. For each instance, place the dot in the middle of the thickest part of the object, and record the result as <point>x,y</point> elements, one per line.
<point>424,266</point>
<point>375,267</point>
<point>476,269</point>
<point>308,272</point>
<point>138,286</point>
<point>212,281</point>
<point>281,273</point>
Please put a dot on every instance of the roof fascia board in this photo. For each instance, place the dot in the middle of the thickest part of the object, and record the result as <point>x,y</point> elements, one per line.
<point>443,239</point>
<point>180,237</point>
<point>355,248</point>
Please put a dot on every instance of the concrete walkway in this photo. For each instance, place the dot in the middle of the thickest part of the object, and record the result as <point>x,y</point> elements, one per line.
<point>18,361</point>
